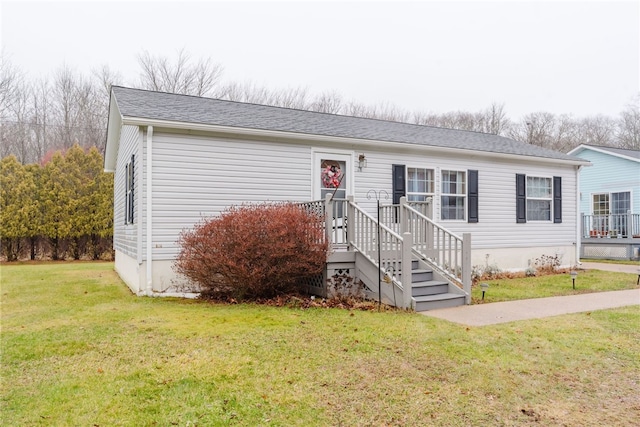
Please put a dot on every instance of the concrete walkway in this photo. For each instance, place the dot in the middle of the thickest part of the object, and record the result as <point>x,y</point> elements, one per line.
<point>620,268</point>
<point>510,311</point>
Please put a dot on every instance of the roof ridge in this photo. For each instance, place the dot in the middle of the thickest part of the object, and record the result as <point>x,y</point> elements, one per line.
<point>310,111</point>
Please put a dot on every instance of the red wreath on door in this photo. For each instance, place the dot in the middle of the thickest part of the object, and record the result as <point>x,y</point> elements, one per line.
<point>331,174</point>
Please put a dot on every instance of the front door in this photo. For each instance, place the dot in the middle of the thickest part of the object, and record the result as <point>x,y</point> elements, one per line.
<point>332,178</point>
<point>332,175</point>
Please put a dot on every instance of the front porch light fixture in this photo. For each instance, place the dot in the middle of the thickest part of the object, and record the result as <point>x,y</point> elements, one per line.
<point>362,162</point>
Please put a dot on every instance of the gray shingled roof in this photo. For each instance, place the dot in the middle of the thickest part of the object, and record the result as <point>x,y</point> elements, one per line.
<point>191,109</point>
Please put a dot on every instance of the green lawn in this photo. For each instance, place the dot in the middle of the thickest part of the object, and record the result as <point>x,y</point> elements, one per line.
<point>79,349</point>
<point>587,281</point>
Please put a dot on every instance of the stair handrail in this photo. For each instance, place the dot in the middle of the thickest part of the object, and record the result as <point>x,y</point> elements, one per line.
<point>447,252</point>
<point>396,262</point>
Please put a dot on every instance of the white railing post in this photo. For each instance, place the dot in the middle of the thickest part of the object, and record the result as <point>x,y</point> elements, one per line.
<point>402,215</point>
<point>407,243</point>
<point>351,219</point>
<point>466,266</point>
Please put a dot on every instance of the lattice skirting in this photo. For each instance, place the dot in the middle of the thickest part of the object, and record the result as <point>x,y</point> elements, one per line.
<point>602,251</point>
<point>315,285</point>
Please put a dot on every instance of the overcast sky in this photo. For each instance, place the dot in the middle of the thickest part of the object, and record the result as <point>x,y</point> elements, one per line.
<point>575,57</point>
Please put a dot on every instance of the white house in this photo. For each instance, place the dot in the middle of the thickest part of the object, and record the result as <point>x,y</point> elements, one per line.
<point>179,158</point>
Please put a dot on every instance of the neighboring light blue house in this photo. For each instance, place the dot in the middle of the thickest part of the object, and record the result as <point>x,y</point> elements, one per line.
<point>610,196</point>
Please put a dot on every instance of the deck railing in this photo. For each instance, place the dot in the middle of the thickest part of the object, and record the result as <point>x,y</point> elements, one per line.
<point>383,247</point>
<point>448,252</point>
<point>403,231</point>
<point>611,226</point>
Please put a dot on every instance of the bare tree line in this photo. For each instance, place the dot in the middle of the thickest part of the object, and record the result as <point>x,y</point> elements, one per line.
<point>40,116</point>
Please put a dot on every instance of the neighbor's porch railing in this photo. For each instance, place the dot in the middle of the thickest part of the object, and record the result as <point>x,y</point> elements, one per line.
<point>613,225</point>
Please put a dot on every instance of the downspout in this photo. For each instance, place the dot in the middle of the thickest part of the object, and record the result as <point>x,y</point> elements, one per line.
<point>149,289</point>
<point>578,218</point>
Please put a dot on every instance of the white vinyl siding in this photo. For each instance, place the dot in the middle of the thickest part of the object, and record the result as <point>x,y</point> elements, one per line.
<point>125,237</point>
<point>196,177</point>
<point>497,197</point>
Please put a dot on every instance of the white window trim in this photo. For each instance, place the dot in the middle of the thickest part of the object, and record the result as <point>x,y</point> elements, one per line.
<point>427,194</point>
<point>527,198</point>
<point>341,155</point>
<point>630,191</point>
<point>464,195</point>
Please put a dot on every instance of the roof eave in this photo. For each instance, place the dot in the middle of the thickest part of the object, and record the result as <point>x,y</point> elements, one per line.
<point>114,128</point>
<point>157,123</point>
<point>600,150</point>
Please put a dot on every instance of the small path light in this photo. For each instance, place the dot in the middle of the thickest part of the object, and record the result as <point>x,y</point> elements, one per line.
<point>484,287</point>
<point>573,275</point>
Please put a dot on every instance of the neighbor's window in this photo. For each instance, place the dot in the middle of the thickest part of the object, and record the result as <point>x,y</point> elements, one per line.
<point>620,202</point>
<point>454,194</point>
<point>539,198</point>
<point>129,188</point>
<point>420,184</point>
<point>601,204</point>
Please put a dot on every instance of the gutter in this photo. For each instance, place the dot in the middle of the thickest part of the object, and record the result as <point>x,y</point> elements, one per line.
<point>149,211</point>
<point>322,139</point>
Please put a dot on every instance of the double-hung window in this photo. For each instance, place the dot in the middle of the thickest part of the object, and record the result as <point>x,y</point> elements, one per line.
<point>453,196</point>
<point>539,198</point>
<point>420,184</point>
<point>129,174</point>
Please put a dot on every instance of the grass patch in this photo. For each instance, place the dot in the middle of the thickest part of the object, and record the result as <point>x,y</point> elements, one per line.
<point>79,349</point>
<point>552,285</point>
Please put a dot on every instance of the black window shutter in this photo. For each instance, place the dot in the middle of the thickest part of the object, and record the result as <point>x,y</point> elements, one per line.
<point>398,184</point>
<point>472,196</point>
<point>557,199</point>
<point>521,198</point>
<point>133,187</point>
<point>126,194</point>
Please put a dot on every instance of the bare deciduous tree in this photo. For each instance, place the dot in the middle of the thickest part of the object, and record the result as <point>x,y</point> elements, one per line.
<point>597,130</point>
<point>182,76</point>
<point>327,102</point>
<point>628,133</point>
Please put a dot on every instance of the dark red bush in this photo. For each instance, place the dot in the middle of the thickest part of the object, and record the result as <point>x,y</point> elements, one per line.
<point>253,251</point>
